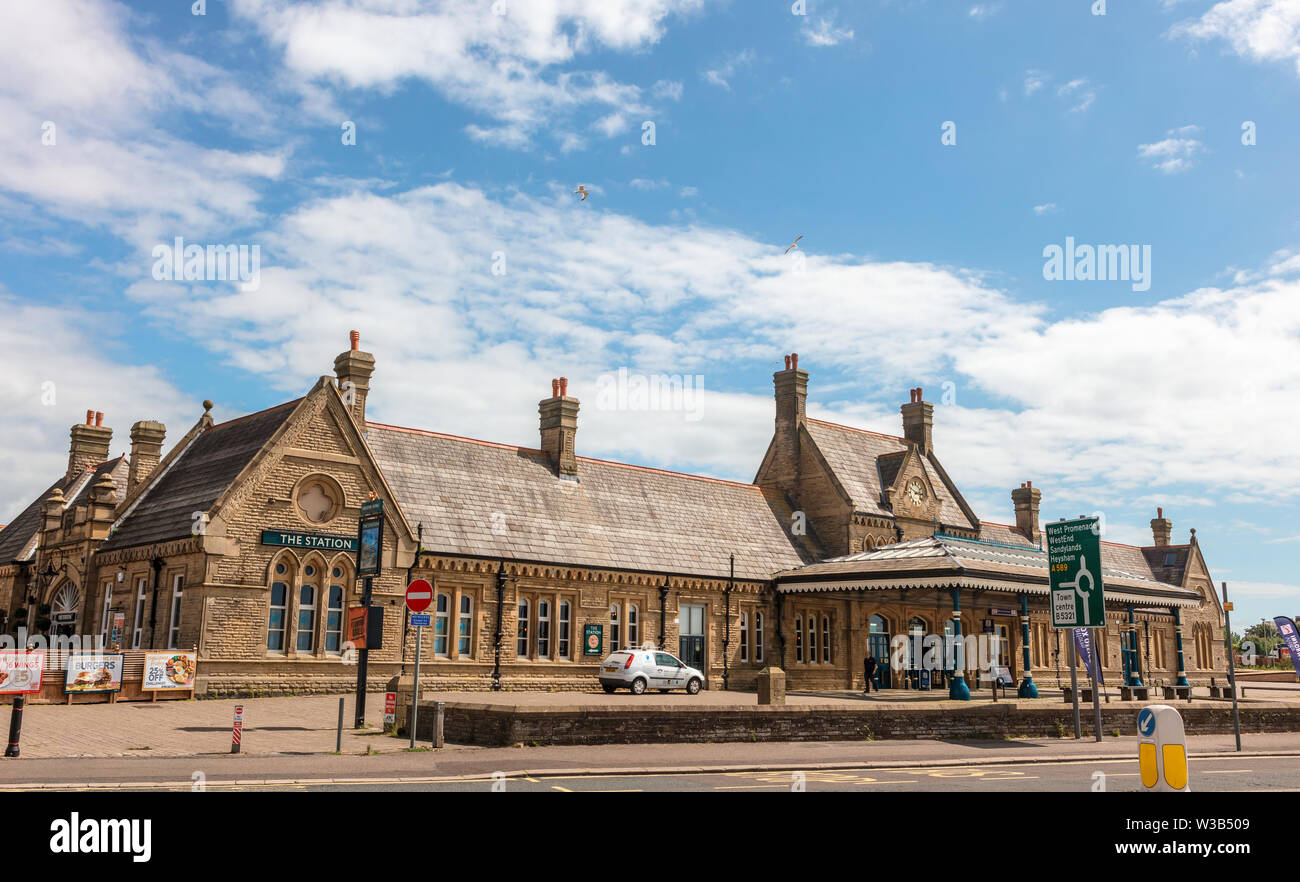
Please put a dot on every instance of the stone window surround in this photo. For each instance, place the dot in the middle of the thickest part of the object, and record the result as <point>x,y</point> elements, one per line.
<point>806,649</point>
<point>333,489</point>
<point>625,602</point>
<point>553,596</point>
<point>295,579</point>
<point>454,591</point>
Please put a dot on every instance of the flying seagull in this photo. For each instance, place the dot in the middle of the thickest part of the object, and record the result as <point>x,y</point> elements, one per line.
<point>793,246</point>
<point>584,191</point>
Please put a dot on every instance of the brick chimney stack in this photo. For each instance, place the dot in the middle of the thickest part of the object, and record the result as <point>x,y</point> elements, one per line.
<point>1026,498</point>
<point>90,443</point>
<point>918,422</point>
<point>791,388</point>
<point>354,369</point>
<point>147,438</point>
<point>559,423</point>
<point>1161,527</point>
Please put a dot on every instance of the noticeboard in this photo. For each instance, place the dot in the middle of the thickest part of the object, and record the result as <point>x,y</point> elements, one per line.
<point>94,672</point>
<point>1074,574</point>
<point>169,670</point>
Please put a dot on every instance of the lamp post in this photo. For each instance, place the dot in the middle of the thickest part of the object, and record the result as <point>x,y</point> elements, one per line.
<point>726,634</point>
<point>20,700</point>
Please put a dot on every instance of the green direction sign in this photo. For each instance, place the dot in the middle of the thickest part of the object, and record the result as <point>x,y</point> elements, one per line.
<point>309,540</point>
<point>1074,574</point>
<point>372,509</point>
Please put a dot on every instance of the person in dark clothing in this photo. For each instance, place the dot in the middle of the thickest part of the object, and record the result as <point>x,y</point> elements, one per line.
<point>869,670</point>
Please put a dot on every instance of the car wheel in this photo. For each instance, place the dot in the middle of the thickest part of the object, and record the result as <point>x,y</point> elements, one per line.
<point>609,690</point>
<point>693,687</point>
<point>638,686</point>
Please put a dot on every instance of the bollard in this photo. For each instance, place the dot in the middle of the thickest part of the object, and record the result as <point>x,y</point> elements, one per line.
<point>15,725</point>
<point>439,715</point>
<point>1162,749</point>
<point>237,734</point>
<point>338,741</point>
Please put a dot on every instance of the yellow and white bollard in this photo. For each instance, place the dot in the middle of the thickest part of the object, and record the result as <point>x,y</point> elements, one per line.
<point>1162,749</point>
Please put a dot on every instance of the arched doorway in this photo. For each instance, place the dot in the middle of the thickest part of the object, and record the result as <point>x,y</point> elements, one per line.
<point>878,646</point>
<point>64,610</point>
<point>917,628</point>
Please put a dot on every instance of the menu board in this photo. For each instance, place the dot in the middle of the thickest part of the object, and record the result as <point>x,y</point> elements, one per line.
<point>94,673</point>
<point>169,670</point>
<point>21,672</point>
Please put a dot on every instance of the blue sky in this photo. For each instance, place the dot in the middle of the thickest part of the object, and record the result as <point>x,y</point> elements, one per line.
<point>922,262</point>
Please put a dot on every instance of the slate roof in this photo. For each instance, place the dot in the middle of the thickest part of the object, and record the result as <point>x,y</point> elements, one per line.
<point>866,462</point>
<point>16,539</point>
<point>937,560</point>
<point>614,515</point>
<point>197,479</point>
<point>1004,534</point>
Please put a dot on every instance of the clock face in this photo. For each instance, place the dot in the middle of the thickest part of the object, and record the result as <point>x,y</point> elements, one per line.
<point>915,491</point>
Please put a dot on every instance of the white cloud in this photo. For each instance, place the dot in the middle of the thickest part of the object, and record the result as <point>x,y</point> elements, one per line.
<point>1261,30</point>
<point>1034,80</point>
<point>722,74</point>
<point>667,89</point>
<point>689,192</point>
<point>825,33</point>
<point>1046,208</point>
<point>85,375</point>
<point>647,184</point>
<point>112,164</point>
<point>984,10</point>
<point>511,68</point>
<point>1080,92</point>
<point>1176,153</point>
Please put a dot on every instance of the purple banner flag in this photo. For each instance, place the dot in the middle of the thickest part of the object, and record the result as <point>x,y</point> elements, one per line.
<point>1288,631</point>
<point>1083,645</point>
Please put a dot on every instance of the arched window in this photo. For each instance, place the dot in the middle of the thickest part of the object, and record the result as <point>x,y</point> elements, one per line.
<point>307,617</point>
<point>744,636</point>
<point>521,633</point>
<point>566,624</point>
<point>826,639</point>
<point>614,634</point>
<point>633,627</point>
<point>174,628</point>
<point>334,621</point>
<point>441,625</point>
<point>758,636</point>
<point>277,621</point>
<point>878,625</point>
<point>798,638</point>
<point>543,629</point>
<point>812,639</point>
<point>335,600</point>
<point>465,635</point>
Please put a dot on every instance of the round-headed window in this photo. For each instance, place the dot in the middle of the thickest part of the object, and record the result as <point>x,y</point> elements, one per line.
<point>318,499</point>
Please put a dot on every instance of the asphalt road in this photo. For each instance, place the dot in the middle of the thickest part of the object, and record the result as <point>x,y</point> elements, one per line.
<point>1208,774</point>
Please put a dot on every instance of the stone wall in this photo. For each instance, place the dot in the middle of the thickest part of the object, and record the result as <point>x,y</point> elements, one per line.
<point>501,726</point>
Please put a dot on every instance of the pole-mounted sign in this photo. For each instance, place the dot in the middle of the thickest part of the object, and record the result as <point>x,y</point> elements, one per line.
<point>1074,574</point>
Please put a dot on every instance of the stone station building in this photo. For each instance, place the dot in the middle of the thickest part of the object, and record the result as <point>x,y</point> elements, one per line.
<point>240,542</point>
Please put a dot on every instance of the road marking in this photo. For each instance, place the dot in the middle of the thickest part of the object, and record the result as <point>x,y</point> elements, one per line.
<point>561,789</point>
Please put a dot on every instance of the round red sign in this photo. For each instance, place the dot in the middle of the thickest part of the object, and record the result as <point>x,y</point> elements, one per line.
<point>419,594</point>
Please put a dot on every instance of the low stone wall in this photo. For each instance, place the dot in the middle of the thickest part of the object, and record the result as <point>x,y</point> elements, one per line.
<point>506,725</point>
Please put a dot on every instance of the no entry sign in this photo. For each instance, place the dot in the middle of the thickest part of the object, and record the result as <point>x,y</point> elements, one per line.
<point>419,594</point>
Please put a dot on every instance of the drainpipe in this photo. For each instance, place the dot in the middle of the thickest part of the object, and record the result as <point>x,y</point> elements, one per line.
<point>1178,639</point>
<point>663,613</point>
<point>780,632</point>
<point>726,634</point>
<point>157,564</point>
<point>501,603</point>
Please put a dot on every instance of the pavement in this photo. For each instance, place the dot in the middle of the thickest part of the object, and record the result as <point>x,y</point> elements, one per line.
<point>307,725</point>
